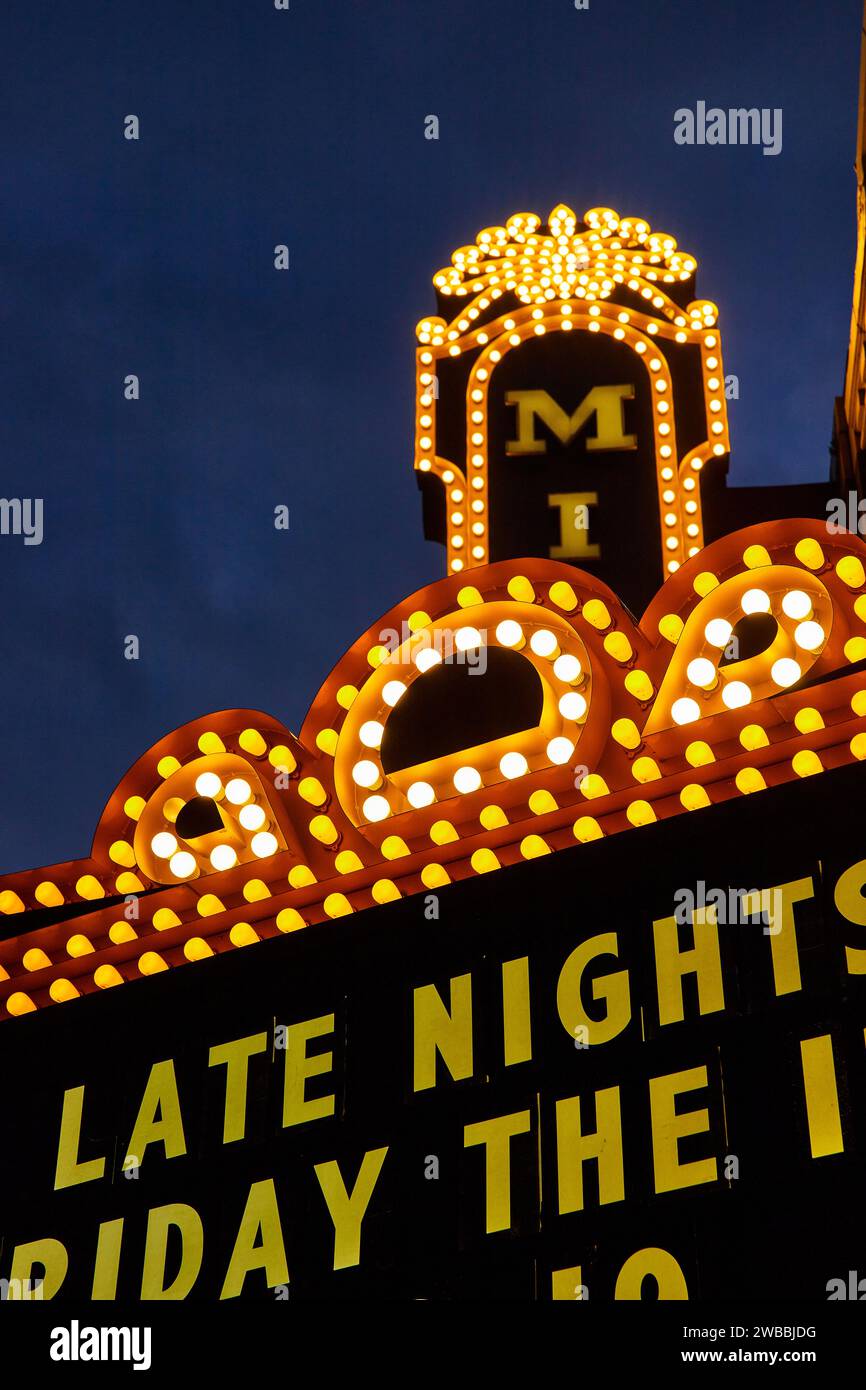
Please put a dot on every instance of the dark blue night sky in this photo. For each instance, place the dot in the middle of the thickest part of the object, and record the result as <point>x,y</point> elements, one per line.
<point>306,127</point>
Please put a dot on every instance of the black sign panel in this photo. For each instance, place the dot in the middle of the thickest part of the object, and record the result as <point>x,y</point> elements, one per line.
<point>741,1125</point>
<point>599,480</point>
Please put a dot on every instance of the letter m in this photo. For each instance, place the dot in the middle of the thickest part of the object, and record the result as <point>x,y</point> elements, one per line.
<point>606,403</point>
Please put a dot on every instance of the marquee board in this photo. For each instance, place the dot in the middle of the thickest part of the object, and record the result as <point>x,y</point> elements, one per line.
<point>409,1100</point>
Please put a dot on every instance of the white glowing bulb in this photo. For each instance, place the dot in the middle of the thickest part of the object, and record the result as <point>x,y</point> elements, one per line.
<point>786,671</point>
<point>755,601</point>
<point>513,765</point>
<point>376,808</point>
<point>252,817</point>
<point>559,750</point>
<point>238,791</point>
<point>467,779</point>
<point>465,638</point>
<point>566,667</point>
<point>208,784</point>
<point>365,773</point>
<point>509,633</point>
<point>796,604</point>
<point>223,857</point>
<point>685,711</point>
<point>392,691</point>
<point>543,642</point>
<point>809,635</point>
<point>264,844</point>
<point>718,632</point>
<point>182,864</point>
<point>420,794</point>
<point>701,672</point>
<point>371,733</point>
<point>572,705</point>
<point>427,658</point>
<point>735,694</point>
<point>163,844</point>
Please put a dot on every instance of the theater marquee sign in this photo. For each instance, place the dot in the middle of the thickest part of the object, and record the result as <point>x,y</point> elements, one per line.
<point>532,966</point>
<point>548,1089</point>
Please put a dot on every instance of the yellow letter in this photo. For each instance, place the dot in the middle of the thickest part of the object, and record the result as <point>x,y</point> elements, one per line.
<point>348,1212</point>
<point>107,1260</point>
<point>574,1149</point>
<point>69,1171</point>
<point>260,1214</point>
<point>188,1222</point>
<point>236,1057</point>
<point>668,1128</point>
<point>496,1137</point>
<point>437,1030</point>
<point>661,1266</point>
<point>50,1253</point>
<point>613,989</point>
<point>851,904</point>
<point>778,903</point>
<point>573,525</point>
<point>515,1011</point>
<point>606,403</point>
<point>822,1097</point>
<point>296,1109</point>
<point>672,964</point>
<point>160,1094</point>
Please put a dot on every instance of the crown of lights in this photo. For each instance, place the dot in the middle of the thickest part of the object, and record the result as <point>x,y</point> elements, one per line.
<point>564,262</point>
<point>747,671</point>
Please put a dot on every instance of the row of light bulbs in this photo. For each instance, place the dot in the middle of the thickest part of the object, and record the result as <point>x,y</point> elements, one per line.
<point>572,706</point>
<point>251,816</point>
<point>809,635</point>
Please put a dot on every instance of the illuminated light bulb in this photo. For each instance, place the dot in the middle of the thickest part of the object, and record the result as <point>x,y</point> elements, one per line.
<point>513,765</point>
<point>365,773</point>
<point>426,658</point>
<point>509,633</point>
<point>572,705</point>
<point>252,817</point>
<point>163,845</point>
<point>466,638</point>
<point>370,733</point>
<point>420,794</point>
<point>392,692</point>
<point>796,604</point>
<point>376,808</point>
<point>718,632</point>
<point>685,711</point>
<point>786,671</point>
<point>559,750</point>
<point>701,672</point>
<point>755,601</point>
<point>264,844</point>
<point>543,642</point>
<point>809,636</point>
<point>223,857</point>
<point>736,694</point>
<point>182,864</point>
<point>208,784</point>
<point>467,779</point>
<point>238,791</point>
<point>566,667</point>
